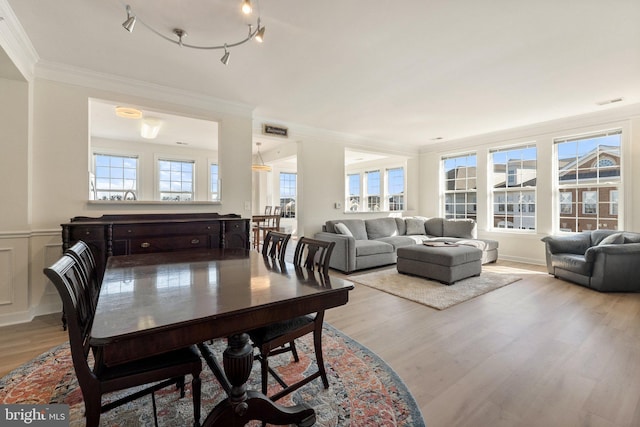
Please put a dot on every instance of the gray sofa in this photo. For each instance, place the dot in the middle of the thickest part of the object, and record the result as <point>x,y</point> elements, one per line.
<point>604,260</point>
<point>367,243</point>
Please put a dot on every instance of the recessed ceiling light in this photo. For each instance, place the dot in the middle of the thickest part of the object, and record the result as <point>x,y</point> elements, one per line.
<point>128,112</point>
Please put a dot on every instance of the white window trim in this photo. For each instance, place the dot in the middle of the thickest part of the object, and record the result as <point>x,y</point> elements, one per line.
<point>156,178</point>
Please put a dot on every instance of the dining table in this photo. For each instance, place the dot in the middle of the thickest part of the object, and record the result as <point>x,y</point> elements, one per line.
<point>154,303</point>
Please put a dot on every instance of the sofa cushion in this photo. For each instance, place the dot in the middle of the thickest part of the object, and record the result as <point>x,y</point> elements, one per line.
<point>381,227</point>
<point>401,226</point>
<point>356,226</point>
<point>433,227</point>
<point>402,241</point>
<point>463,228</point>
<point>372,247</point>
<point>342,229</point>
<point>572,262</point>
<point>613,239</point>
<point>415,226</point>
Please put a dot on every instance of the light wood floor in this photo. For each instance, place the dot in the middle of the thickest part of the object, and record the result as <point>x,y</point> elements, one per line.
<point>539,352</point>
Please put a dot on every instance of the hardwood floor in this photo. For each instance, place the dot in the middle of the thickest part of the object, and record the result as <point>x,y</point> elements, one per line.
<point>539,352</point>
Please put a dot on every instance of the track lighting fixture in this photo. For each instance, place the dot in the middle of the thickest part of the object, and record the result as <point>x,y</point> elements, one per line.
<point>131,20</point>
<point>225,57</point>
<point>178,34</point>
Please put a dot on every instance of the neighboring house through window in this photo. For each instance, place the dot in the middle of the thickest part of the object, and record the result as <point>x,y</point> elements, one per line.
<point>514,187</point>
<point>589,181</point>
<point>459,186</point>
<point>395,189</point>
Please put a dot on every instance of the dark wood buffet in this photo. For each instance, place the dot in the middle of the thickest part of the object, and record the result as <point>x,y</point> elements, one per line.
<point>128,234</point>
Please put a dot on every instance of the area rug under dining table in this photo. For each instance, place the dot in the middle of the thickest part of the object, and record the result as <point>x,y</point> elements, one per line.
<point>364,390</point>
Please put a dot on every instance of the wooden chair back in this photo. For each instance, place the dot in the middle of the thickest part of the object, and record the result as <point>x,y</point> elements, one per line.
<point>276,210</point>
<point>81,252</point>
<point>275,244</point>
<point>313,254</point>
<point>67,277</point>
<point>267,210</point>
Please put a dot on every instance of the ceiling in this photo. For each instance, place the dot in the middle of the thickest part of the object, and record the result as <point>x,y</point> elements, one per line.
<point>405,72</point>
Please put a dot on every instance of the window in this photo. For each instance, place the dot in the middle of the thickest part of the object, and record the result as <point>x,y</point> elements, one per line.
<point>215,182</point>
<point>288,194</point>
<point>459,182</point>
<point>514,187</point>
<point>353,191</point>
<point>373,190</point>
<point>115,177</point>
<point>395,189</point>
<point>588,170</point>
<point>175,180</point>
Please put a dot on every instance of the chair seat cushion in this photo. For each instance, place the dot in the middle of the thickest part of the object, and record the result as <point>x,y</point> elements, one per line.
<point>572,262</point>
<point>372,247</point>
<point>274,330</point>
<point>185,356</point>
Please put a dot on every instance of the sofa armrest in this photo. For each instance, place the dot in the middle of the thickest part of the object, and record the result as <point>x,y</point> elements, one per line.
<point>571,244</point>
<point>343,257</point>
<point>615,267</point>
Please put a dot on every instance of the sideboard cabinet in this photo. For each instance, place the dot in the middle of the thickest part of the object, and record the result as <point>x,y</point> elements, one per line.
<point>141,233</point>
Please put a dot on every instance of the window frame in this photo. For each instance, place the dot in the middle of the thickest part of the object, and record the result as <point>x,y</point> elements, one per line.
<point>95,176</point>
<point>284,212</point>
<point>518,198</point>
<point>594,173</point>
<point>158,181</point>
<point>451,196</point>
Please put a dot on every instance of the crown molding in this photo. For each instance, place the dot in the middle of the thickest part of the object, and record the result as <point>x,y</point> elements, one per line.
<point>16,43</point>
<point>599,118</point>
<point>77,76</point>
<point>298,132</point>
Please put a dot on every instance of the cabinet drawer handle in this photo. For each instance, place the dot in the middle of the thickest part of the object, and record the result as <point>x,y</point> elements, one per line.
<point>87,233</point>
<point>195,241</point>
<point>145,245</point>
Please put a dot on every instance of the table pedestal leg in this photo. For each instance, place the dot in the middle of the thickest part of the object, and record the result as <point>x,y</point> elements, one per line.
<point>243,406</point>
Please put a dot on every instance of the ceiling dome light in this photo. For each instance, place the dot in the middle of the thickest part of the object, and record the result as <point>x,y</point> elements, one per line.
<point>128,112</point>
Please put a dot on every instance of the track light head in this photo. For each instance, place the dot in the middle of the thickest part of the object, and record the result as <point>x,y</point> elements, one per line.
<point>260,34</point>
<point>131,20</point>
<point>225,57</point>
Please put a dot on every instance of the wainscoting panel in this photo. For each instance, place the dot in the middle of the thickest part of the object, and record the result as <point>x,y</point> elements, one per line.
<point>6,276</point>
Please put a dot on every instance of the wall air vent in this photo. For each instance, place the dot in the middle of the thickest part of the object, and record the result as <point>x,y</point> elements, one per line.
<point>610,101</point>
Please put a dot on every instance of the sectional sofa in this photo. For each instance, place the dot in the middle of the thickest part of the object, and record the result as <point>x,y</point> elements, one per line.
<point>368,243</point>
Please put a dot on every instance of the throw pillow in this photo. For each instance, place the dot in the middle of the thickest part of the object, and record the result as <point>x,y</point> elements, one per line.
<point>613,239</point>
<point>342,229</point>
<point>415,226</point>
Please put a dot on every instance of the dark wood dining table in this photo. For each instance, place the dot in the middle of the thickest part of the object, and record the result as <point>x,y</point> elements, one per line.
<point>157,302</point>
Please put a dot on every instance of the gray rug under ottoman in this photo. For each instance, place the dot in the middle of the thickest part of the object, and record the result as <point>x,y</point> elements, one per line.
<point>446,264</point>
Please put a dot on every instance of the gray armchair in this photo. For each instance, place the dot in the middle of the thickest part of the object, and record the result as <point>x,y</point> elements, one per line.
<point>604,260</point>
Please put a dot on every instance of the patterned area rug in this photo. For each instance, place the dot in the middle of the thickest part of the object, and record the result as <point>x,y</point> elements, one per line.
<point>431,293</point>
<point>363,391</point>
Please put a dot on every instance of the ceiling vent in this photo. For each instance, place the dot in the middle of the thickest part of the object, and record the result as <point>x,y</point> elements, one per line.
<point>610,101</point>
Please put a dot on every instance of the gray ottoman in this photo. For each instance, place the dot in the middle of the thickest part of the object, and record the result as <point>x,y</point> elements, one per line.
<point>446,264</point>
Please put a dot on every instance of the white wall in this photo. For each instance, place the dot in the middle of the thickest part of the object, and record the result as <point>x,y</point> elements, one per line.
<point>526,246</point>
<point>48,172</point>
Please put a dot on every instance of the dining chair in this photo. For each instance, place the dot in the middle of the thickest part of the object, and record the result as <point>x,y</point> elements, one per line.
<point>270,223</point>
<point>277,210</point>
<point>267,210</point>
<point>96,379</point>
<point>81,252</point>
<point>311,262</point>
<point>275,244</point>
